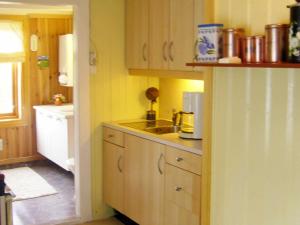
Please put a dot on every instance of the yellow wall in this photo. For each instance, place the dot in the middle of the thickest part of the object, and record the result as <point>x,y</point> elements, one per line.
<point>171,94</point>
<point>256,127</point>
<point>114,94</point>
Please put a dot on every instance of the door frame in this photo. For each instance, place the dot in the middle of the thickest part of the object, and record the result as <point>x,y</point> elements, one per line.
<point>81,93</point>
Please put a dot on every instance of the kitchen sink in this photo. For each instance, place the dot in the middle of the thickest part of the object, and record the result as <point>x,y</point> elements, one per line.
<point>153,126</point>
<point>162,130</point>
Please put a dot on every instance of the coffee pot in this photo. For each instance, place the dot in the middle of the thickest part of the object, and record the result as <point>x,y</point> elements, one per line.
<point>192,116</point>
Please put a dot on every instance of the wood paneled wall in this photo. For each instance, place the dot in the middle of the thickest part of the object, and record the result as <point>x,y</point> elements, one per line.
<point>41,85</point>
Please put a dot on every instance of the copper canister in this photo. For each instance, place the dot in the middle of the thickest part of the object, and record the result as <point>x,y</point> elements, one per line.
<point>258,49</point>
<point>274,44</point>
<point>231,42</point>
<point>247,49</point>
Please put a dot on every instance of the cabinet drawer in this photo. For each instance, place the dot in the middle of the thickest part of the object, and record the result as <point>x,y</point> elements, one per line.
<point>113,136</point>
<point>183,159</point>
<point>182,195</point>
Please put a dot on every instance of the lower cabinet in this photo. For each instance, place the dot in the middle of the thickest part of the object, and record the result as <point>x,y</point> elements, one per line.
<point>144,180</point>
<point>113,177</point>
<point>182,197</point>
<point>139,183</point>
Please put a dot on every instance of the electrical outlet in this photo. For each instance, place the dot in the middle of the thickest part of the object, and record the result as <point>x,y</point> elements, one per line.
<point>1,144</point>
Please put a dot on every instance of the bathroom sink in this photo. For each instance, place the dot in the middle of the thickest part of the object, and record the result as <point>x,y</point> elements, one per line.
<point>153,126</point>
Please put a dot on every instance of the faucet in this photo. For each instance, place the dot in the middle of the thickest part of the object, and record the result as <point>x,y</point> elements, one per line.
<point>175,118</point>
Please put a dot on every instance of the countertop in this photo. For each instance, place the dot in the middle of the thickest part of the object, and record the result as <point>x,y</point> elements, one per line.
<point>64,111</point>
<point>170,139</point>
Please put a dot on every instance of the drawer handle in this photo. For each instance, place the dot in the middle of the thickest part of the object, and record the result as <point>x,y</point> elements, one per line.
<point>111,135</point>
<point>179,159</point>
<point>158,164</point>
<point>119,166</point>
<point>178,189</point>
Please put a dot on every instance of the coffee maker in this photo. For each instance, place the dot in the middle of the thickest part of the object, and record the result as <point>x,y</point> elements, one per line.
<point>192,115</point>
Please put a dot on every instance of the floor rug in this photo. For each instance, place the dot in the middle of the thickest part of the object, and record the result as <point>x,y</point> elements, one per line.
<point>26,183</point>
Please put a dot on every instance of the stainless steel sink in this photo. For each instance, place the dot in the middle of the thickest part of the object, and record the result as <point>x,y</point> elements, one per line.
<point>162,130</point>
<point>153,126</point>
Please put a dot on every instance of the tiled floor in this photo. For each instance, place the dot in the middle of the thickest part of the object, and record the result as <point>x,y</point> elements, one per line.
<point>43,210</point>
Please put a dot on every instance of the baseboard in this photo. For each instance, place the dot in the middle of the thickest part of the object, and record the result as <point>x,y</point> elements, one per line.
<point>21,160</point>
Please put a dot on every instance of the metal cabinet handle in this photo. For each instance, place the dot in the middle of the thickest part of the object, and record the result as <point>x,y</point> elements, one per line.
<point>158,163</point>
<point>179,159</point>
<point>178,189</point>
<point>170,51</point>
<point>144,52</point>
<point>164,51</point>
<point>111,135</point>
<point>119,166</point>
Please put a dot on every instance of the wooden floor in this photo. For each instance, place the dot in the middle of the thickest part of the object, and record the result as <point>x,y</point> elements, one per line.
<point>111,221</point>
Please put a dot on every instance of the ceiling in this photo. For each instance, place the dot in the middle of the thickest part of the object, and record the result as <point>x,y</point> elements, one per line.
<point>24,9</point>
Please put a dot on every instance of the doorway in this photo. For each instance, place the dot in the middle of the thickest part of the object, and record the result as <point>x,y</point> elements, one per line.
<point>81,99</point>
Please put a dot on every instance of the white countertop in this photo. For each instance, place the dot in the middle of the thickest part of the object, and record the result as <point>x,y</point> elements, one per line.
<point>65,110</point>
<point>171,139</point>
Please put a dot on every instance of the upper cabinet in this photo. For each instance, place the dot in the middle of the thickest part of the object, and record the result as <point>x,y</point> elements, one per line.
<point>137,23</point>
<point>161,34</point>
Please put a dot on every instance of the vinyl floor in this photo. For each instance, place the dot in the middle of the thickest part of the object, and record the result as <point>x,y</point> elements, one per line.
<point>111,221</point>
<point>47,209</point>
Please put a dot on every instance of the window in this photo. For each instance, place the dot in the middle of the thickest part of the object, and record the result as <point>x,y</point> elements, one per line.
<point>11,59</point>
<point>9,91</point>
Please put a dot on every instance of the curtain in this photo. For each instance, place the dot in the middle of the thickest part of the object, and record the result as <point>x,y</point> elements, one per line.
<point>11,41</point>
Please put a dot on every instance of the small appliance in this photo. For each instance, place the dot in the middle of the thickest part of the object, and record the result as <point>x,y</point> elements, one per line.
<point>192,115</point>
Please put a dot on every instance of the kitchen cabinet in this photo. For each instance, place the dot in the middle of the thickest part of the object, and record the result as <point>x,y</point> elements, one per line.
<point>168,40</point>
<point>150,182</point>
<point>113,175</point>
<point>185,160</point>
<point>137,19</point>
<point>113,168</point>
<point>182,187</point>
<point>182,201</point>
<point>144,180</point>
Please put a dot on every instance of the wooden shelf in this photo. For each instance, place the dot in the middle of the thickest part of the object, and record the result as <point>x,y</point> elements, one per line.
<point>247,65</point>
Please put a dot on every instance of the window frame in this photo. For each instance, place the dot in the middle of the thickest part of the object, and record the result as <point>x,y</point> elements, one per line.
<point>22,105</point>
<point>16,95</point>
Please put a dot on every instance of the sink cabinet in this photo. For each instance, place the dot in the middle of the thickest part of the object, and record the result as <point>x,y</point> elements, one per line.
<point>150,182</point>
<point>144,180</point>
<point>55,134</point>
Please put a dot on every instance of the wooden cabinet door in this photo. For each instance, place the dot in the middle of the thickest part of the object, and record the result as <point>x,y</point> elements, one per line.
<point>144,180</point>
<point>137,46</point>
<point>182,197</point>
<point>159,24</point>
<point>113,178</point>
<point>182,32</point>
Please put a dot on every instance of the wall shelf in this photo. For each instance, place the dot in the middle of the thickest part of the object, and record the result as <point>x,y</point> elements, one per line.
<point>247,65</point>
